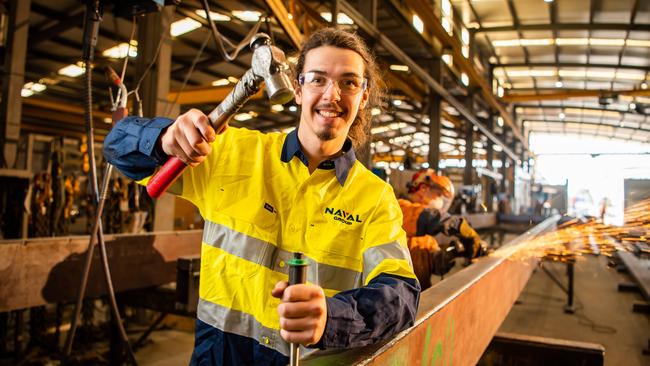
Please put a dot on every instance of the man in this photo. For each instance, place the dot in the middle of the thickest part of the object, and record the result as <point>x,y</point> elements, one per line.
<point>429,226</point>
<point>265,196</point>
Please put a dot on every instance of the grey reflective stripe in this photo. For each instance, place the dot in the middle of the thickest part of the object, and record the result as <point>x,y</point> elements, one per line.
<point>373,256</point>
<point>240,323</point>
<point>270,256</point>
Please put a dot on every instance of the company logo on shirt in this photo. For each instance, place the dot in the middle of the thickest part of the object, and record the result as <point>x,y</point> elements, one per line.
<point>345,217</point>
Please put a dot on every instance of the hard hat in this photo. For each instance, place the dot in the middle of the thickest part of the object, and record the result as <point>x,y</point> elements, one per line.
<point>428,177</point>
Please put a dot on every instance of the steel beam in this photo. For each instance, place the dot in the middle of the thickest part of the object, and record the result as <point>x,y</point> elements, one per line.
<point>435,121</point>
<point>570,64</point>
<point>397,52</point>
<point>458,316</point>
<point>426,12</point>
<point>567,26</point>
<point>40,271</point>
<point>574,93</point>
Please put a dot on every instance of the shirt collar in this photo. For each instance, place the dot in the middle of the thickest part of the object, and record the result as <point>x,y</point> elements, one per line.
<point>341,164</point>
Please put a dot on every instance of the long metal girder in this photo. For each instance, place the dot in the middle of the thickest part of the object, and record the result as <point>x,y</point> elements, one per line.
<point>395,50</point>
<point>568,94</point>
<point>457,317</point>
<point>567,26</point>
<point>39,271</point>
<point>426,13</point>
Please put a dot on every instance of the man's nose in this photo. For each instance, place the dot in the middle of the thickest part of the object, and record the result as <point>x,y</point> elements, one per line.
<point>332,91</point>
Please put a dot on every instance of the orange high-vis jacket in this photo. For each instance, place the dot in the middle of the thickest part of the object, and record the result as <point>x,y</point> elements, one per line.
<point>411,212</point>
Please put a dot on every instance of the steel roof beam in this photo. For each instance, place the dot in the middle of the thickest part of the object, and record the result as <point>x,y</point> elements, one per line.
<point>567,26</point>
<point>571,64</point>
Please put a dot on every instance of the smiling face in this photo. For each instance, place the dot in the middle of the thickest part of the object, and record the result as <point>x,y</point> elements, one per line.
<point>328,114</point>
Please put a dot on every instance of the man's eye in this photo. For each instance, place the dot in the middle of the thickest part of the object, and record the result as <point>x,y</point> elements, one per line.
<point>317,80</point>
<point>350,83</point>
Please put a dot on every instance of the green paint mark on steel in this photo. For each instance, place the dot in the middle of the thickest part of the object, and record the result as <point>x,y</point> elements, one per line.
<point>399,358</point>
<point>450,333</point>
<point>425,352</point>
<point>437,353</point>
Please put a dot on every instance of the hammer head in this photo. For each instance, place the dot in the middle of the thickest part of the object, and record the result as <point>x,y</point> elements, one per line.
<point>270,64</point>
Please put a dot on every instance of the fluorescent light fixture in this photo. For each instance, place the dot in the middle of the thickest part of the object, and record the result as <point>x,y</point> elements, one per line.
<point>247,15</point>
<point>418,24</point>
<point>121,49</point>
<point>221,82</point>
<point>500,121</point>
<point>465,51</point>
<point>243,117</point>
<point>632,105</point>
<point>72,70</point>
<point>637,43</point>
<point>500,91</point>
<point>464,79</point>
<point>559,84</point>
<point>35,87</point>
<point>572,41</point>
<point>233,79</point>
<point>561,115</point>
<point>341,18</point>
<point>375,111</point>
<point>506,43</point>
<point>108,120</point>
<point>397,102</point>
<point>183,26</point>
<point>26,93</point>
<point>399,67</point>
<point>446,24</point>
<point>447,58</point>
<point>216,17</point>
<point>606,41</point>
<point>277,107</point>
<point>644,85</point>
<point>425,165</point>
<point>464,35</point>
<point>445,6</point>
<point>293,108</point>
<point>548,1</point>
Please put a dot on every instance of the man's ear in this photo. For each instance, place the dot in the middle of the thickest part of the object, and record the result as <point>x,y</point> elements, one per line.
<point>298,92</point>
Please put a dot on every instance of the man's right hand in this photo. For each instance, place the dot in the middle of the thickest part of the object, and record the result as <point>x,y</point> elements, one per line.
<point>189,137</point>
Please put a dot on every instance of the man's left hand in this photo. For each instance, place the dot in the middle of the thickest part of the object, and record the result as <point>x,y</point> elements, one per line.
<point>303,312</point>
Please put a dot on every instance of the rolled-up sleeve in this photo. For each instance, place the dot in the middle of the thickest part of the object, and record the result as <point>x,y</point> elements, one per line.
<point>131,146</point>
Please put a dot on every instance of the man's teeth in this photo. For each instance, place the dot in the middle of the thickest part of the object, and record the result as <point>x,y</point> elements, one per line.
<point>329,114</point>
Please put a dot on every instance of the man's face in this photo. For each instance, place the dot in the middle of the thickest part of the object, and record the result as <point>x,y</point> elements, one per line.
<point>329,113</point>
<point>431,197</point>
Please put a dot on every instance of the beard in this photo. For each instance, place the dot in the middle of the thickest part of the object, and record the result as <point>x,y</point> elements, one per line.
<point>326,134</point>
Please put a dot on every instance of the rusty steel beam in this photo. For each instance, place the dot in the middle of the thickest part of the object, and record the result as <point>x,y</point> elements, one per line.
<point>457,317</point>
<point>574,93</point>
<point>35,272</point>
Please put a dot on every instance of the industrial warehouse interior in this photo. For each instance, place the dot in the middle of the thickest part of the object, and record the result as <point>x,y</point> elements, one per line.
<point>469,185</point>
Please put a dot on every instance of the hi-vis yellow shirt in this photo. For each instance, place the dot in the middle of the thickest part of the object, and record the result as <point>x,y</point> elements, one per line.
<point>258,210</point>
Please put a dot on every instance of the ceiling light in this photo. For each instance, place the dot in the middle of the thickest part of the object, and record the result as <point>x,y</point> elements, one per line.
<point>644,85</point>
<point>397,102</point>
<point>221,82</point>
<point>548,1</point>
<point>375,111</point>
<point>36,87</point>
<point>572,41</point>
<point>293,108</point>
<point>446,24</point>
<point>500,121</point>
<point>562,115</point>
<point>632,106</point>
<point>399,67</point>
<point>247,15</point>
<point>559,84</point>
<point>290,16</point>
<point>216,17</point>
<point>243,117</point>
<point>445,5</point>
<point>277,107</point>
<point>121,49</point>
<point>418,24</point>
<point>341,18</point>
<point>26,93</point>
<point>637,43</point>
<point>500,91</point>
<point>465,51</point>
<point>183,26</point>
<point>464,79</point>
<point>233,79</point>
<point>72,70</point>
<point>447,59</point>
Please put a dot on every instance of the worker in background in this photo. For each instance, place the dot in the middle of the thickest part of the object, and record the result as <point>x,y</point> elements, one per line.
<point>429,226</point>
<point>265,196</point>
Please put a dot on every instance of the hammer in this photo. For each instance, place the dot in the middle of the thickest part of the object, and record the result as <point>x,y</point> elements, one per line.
<point>268,65</point>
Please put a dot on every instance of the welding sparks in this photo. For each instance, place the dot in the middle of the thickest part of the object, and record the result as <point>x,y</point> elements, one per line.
<point>574,238</point>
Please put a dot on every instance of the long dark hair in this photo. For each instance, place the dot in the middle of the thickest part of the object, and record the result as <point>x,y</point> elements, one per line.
<point>360,129</point>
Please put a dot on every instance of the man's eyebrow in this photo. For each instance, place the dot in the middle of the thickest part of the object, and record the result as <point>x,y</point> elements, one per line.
<point>346,74</point>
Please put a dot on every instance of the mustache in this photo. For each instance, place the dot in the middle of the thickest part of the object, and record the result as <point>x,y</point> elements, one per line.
<point>332,106</point>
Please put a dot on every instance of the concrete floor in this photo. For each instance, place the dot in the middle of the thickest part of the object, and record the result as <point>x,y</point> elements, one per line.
<point>603,314</point>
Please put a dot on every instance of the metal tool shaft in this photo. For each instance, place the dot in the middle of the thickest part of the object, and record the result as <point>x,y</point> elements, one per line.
<point>297,275</point>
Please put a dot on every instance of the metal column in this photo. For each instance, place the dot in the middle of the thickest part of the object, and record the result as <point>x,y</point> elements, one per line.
<point>14,71</point>
<point>434,118</point>
<point>468,174</point>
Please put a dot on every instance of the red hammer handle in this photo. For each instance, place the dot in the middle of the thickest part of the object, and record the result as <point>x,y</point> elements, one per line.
<point>165,177</point>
